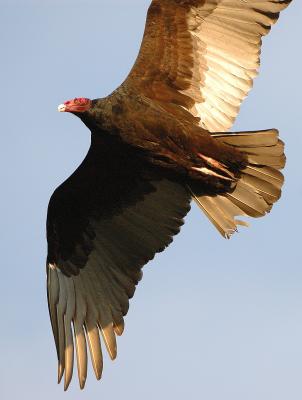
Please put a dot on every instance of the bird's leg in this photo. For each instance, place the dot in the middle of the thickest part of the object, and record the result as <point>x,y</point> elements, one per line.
<point>216,165</point>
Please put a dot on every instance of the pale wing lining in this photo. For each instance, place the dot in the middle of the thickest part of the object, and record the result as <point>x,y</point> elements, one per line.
<point>227,39</point>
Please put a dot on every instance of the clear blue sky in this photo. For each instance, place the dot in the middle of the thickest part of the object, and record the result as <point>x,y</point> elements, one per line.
<point>212,319</point>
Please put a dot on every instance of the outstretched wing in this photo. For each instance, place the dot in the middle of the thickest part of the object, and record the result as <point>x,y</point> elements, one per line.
<point>203,55</point>
<point>104,223</point>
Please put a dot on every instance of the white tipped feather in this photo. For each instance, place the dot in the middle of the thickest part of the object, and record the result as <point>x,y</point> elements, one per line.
<point>53,293</point>
<point>69,315</point>
<point>79,333</point>
<point>81,352</point>
<point>95,348</point>
<point>61,309</point>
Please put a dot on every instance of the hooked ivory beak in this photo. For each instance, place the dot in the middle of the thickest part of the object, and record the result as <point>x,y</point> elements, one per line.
<point>62,108</point>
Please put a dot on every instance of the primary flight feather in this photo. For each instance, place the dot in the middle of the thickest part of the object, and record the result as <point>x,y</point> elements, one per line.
<point>157,141</point>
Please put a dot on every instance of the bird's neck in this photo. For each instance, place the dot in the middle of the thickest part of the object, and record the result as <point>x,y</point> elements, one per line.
<point>96,118</point>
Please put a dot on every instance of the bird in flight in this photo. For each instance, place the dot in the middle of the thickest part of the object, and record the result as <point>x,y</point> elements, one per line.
<point>158,141</point>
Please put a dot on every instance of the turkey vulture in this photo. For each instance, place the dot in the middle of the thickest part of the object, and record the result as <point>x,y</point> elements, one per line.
<point>158,141</point>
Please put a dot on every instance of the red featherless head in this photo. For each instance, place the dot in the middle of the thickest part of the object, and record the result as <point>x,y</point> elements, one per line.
<point>78,105</point>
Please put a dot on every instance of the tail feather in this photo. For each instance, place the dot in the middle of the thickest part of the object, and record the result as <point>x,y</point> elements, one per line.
<point>221,212</point>
<point>267,174</point>
<point>267,190</point>
<point>248,200</point>
<point>259,186</point>
<point>250,139</point>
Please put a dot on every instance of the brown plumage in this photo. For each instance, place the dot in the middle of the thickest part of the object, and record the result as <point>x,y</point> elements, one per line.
<point>157,142</point>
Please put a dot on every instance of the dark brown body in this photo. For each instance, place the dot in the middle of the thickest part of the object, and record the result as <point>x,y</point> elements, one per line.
<point>165,138</point>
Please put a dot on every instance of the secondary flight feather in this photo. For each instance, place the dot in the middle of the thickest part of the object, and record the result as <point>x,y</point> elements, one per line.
<point>158,141</point>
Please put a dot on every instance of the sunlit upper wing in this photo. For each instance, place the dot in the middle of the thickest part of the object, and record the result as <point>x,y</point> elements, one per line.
<point>203,55</point>
<point>104,223</point>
